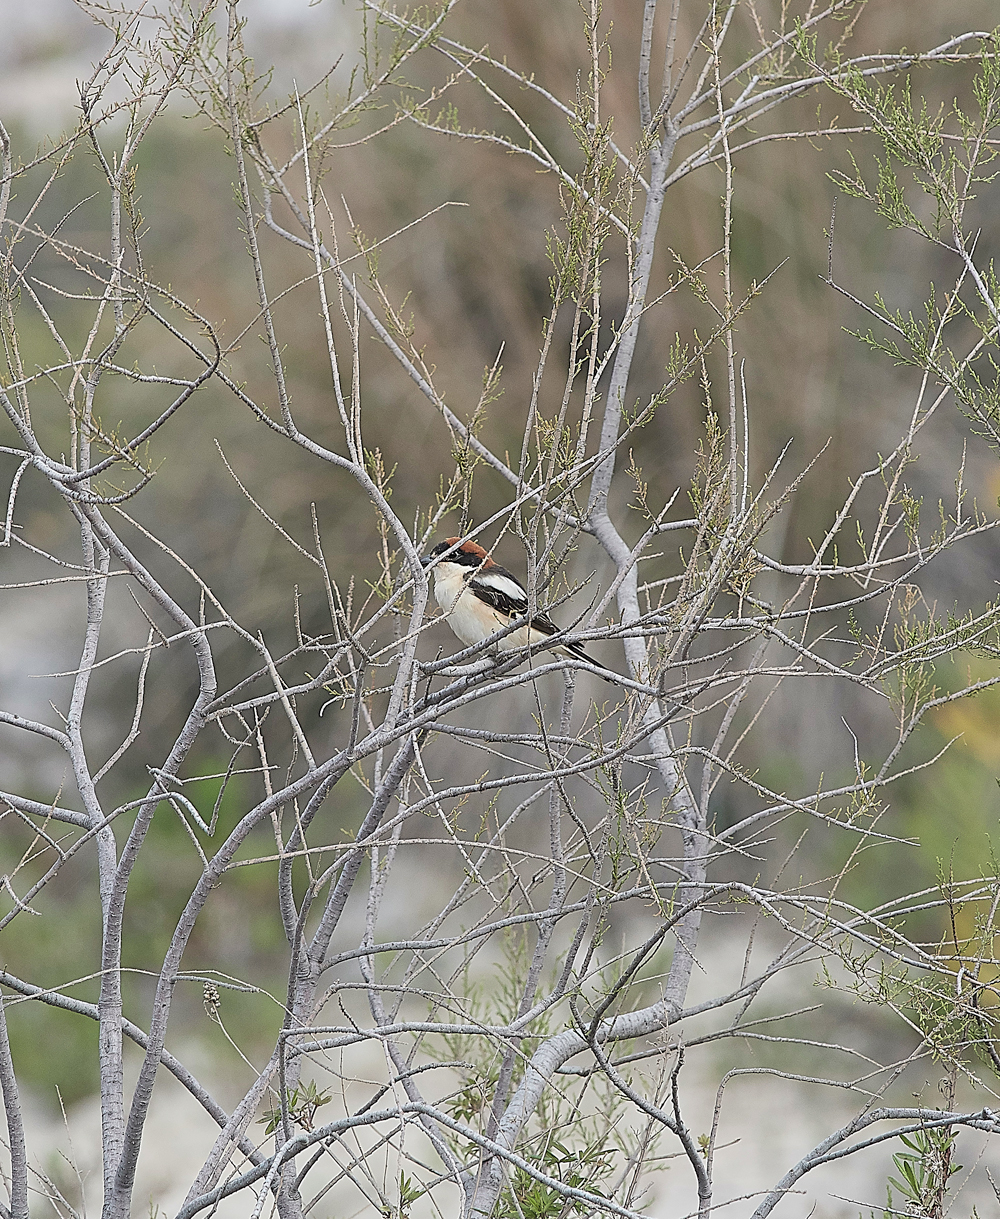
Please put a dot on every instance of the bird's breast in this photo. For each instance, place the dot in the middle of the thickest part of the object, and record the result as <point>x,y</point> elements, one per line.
<point>471,619</point>
<point>449,586</point>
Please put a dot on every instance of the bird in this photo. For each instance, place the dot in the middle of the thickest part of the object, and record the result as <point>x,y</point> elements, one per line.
<point>479,598</point>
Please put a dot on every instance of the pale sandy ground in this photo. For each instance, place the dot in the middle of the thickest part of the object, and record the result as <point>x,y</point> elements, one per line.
<point>767,1125</point>
<point>773,1128</point>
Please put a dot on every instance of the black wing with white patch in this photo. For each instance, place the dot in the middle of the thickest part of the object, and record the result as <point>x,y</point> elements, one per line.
<point>500,590</point>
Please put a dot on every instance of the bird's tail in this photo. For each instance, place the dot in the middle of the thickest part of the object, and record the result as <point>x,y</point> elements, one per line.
<point>575,652</point>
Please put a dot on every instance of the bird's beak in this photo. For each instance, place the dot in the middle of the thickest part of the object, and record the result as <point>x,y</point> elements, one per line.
<point>426,560</point>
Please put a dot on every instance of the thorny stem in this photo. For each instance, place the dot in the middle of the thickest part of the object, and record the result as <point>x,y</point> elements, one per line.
<point>15,1126</point>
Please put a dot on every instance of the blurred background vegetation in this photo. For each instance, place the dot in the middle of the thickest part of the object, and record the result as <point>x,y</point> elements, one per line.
<point>476,279</point>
